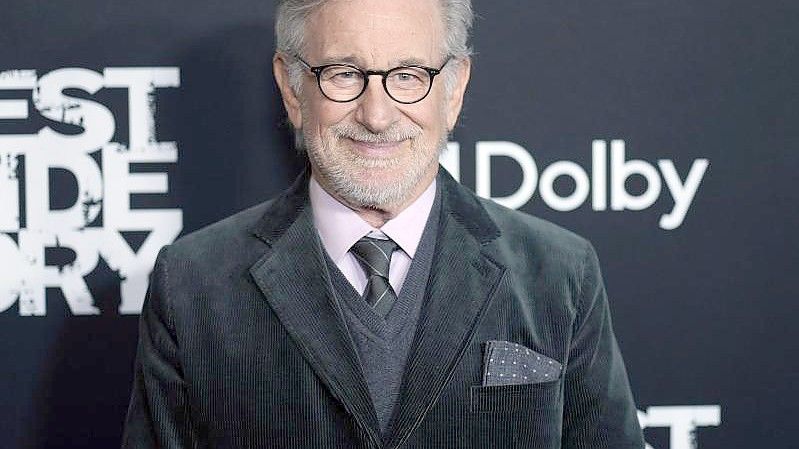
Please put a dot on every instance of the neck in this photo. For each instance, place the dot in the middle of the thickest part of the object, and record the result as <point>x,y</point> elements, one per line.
<point>377,216</point>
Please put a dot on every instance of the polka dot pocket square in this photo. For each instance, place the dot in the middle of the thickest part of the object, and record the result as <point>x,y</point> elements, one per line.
<point>508,363</point>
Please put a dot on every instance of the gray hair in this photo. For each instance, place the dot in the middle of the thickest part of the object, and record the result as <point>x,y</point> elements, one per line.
<point>290,34</point>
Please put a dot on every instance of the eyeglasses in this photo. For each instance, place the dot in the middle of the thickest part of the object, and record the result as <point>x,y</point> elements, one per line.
<point>344,82</point>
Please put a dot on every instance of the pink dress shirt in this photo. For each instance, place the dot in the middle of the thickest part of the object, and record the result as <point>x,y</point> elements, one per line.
<point>340,227</point>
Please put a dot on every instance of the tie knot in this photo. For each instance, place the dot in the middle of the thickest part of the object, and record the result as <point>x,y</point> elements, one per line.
<point>374,255</point>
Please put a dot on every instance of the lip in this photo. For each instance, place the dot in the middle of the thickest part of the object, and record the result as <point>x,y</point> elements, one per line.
<point>382,149</point>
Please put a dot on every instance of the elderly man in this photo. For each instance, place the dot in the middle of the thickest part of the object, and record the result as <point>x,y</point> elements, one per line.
<point>377,303</point>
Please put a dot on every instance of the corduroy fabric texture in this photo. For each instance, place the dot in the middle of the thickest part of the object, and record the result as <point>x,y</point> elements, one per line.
<point>236,352</point>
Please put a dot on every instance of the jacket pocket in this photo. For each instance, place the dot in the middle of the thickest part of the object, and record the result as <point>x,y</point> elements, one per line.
<point>517,416</point>
<point>516,397</point>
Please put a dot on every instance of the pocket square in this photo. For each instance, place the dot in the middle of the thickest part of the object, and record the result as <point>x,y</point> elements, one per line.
<point>508,363</point>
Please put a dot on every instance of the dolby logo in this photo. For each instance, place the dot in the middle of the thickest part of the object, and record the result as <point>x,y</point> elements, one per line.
<point>606,184</point>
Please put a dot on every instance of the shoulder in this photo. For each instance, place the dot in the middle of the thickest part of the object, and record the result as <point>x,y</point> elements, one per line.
<point>529,245</point>
<point>525,234</point>
<point>231,235</point>
<point>545,258</point>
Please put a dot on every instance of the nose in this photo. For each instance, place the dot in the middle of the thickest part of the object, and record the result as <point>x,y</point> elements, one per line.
<point>376,110</point>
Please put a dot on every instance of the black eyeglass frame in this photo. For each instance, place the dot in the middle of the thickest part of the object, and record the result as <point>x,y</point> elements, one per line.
<point>317,70</point>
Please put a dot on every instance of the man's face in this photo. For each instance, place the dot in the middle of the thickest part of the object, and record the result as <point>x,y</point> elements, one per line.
<point>373,151</point>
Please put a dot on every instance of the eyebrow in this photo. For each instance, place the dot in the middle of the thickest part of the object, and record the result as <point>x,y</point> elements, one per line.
<point>354,60</point>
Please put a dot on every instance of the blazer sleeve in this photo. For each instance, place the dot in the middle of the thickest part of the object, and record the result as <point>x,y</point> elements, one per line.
<point>158,412</point>
<point>599,408</point>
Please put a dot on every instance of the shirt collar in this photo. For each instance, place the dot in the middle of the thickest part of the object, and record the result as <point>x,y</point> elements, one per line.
<point>340,227</point>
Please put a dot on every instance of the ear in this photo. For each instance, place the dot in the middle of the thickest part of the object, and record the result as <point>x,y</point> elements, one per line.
<point>280,66</point>
<point>455,101</point>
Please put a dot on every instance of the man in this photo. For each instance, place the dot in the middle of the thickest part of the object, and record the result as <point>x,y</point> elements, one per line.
<point>377,303</point>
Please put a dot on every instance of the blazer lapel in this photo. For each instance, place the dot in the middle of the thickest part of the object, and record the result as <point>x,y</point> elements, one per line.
<point>462,283</point>
<point>291,277</point>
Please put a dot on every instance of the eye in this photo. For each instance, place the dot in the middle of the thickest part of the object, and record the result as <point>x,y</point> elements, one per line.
<point>406,77</point>
<point>346,75</point>
<point>341,75</point>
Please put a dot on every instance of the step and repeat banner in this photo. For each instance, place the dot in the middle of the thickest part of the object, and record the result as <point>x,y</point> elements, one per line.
<point>666,132</point>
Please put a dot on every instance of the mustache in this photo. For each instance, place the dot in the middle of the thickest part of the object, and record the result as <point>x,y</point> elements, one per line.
<point>395,133</point>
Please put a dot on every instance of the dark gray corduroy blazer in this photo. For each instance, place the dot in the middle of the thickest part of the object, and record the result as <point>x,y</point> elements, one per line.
<point>242,346</point>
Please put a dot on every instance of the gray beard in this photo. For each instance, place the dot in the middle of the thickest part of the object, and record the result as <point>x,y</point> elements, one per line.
<point>339,179</point>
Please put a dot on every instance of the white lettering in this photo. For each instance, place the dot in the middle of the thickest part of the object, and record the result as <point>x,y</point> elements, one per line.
<point>485,151</point>
<point>683,194</point>
<point>621,169</point>
<point>450,159</point>
<point>85,207</point>
<point>682,422</point>
<point>141,83</point>
<point>599,173</point>
<point>95,119</point>
<point>581,186</point>
<point>105,189</point>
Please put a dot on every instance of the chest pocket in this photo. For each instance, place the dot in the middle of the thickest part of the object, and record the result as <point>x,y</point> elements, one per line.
<point>512,398</point>
<point>517,416</point>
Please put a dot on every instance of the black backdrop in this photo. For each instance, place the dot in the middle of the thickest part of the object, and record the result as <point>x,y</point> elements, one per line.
<point>704,311</point>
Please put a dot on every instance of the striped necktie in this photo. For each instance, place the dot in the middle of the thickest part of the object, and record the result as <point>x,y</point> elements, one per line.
<point>374,255</point>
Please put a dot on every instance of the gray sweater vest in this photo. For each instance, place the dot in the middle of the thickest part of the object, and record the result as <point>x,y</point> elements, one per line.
<point>383,343</point>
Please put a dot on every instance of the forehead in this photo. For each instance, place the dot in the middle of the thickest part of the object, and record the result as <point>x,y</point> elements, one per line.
<point>375,33</point>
